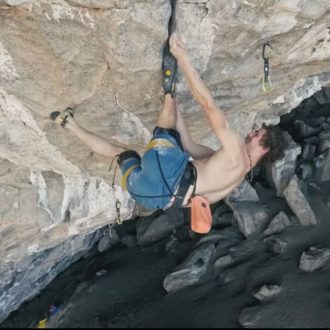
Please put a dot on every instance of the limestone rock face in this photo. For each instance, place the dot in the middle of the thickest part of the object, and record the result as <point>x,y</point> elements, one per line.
<point>103,57</point>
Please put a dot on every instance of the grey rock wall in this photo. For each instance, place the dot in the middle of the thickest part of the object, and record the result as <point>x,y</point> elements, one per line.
<point>103,58</point>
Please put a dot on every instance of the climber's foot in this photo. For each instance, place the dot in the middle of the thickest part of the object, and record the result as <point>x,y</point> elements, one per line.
<point>61,118</point>
<point>169,69</point>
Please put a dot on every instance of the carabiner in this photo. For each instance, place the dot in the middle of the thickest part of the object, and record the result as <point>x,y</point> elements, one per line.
<point>266,83</point>
<point>118,205</point>
<point>269,54</point>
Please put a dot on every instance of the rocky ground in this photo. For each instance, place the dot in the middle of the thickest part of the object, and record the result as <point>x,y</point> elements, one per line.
<point>234,281</point>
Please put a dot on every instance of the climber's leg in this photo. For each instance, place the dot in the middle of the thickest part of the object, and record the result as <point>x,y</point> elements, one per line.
<point>96,143</point>
<point>167,117</point>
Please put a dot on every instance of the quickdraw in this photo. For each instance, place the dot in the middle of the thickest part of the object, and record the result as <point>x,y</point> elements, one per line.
<point>119,221</point>
<point>266,54</point>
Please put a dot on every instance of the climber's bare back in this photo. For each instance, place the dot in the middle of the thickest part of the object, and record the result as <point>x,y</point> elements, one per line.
<point>218,175</point>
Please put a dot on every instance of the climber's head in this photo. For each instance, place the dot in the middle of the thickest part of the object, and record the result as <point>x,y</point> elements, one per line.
<point>266,143</point>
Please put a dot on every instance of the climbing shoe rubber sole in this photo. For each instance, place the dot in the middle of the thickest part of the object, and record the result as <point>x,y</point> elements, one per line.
<point>169,69</point>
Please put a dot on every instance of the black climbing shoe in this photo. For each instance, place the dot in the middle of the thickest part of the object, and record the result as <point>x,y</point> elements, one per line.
<point>169,68</point>
<point>61,118</point>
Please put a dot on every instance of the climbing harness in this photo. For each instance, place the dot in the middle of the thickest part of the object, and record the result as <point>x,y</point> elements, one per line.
<point>200,211</point>
<point>189,178</point>
<point>159,142</point>
<point>266,54</point>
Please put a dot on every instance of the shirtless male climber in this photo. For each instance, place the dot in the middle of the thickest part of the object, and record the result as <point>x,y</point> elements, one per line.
<point>173,169</point>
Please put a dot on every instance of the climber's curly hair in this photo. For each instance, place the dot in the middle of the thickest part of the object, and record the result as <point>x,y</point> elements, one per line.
<point>274,140</point>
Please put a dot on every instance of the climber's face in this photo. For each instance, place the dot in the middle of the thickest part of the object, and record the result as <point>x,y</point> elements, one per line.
<point>255,135</point>
<point>254,140</point>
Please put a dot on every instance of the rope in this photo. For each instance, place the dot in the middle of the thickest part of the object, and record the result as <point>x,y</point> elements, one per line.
<point>162,174</point>
<point>118,203</point>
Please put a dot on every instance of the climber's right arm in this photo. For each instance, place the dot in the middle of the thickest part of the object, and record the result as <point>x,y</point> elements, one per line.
<point>196,151</point>
<point>228,138</point>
